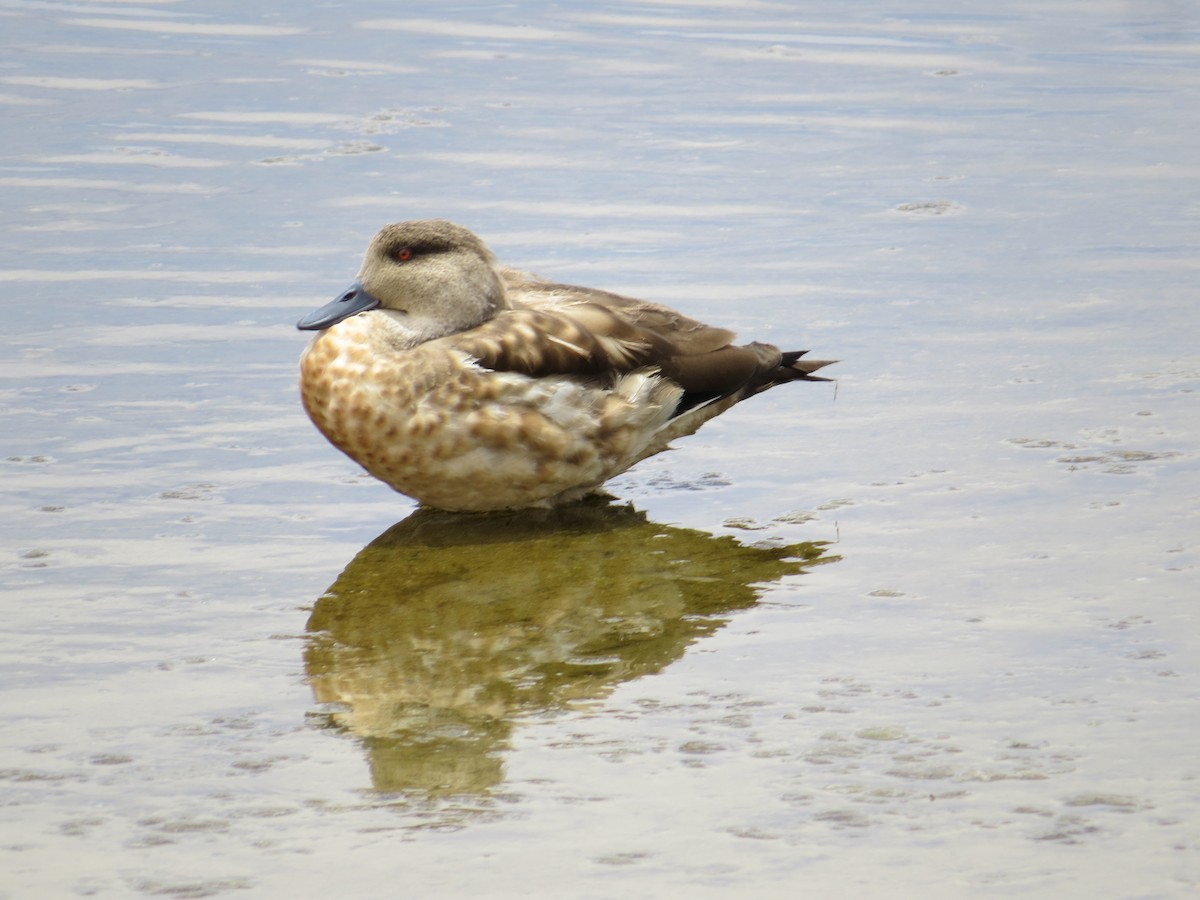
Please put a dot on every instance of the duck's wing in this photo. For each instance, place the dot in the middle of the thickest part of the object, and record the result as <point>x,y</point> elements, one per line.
<point>554,329</point>
<point>687,336</point>
<point>583,341</point>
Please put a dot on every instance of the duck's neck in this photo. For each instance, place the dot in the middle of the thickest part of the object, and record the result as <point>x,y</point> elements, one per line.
<point>454,299</point>
<point>404,331</point>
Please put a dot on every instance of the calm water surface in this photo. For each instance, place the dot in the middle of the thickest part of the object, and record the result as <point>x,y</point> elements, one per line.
<point>930,632</point>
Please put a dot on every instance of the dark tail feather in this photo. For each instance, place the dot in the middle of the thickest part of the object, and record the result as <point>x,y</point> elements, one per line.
<point>791,368</point>
<point>803,367</point>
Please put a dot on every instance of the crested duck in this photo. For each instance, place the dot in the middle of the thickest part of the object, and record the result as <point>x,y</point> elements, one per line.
<point>470,386</point>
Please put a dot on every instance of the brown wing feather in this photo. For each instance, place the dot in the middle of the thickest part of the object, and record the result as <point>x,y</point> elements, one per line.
<point>556,329</point>
<point>587,341</point>
<point>686,335</point>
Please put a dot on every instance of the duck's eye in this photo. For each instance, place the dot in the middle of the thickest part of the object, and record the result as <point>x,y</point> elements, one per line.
<point>404,254</point>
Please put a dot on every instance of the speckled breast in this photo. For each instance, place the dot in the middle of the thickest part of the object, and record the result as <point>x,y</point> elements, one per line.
<point>436,427</point>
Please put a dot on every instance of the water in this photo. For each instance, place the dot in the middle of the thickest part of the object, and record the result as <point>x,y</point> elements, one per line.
<point>930,632</point>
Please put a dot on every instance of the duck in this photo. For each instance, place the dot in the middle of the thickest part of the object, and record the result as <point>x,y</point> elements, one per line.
<point>470,386</point>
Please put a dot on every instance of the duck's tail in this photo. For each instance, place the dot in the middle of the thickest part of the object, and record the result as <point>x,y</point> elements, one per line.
<point>803,368</point>
<point>694,410</point>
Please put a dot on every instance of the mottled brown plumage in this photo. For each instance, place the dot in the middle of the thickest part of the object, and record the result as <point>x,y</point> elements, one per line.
<point>469,386</point>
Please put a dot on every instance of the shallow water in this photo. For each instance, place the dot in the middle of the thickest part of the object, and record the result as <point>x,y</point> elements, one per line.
<point>929,632</point>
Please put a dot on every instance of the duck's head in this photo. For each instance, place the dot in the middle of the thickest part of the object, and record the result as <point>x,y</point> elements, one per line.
<point>432,277</point>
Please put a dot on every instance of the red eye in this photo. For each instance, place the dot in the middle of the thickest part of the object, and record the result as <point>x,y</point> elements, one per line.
<point>403,254</point>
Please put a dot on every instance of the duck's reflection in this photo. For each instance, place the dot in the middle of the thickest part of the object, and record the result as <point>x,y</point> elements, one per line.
<point>447,627</point>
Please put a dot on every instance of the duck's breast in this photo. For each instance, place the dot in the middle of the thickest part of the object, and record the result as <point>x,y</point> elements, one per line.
<point>438,427</point>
